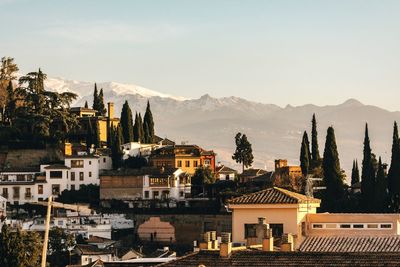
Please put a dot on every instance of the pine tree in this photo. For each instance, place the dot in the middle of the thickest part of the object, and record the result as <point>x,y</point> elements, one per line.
<point>333,178</point>
<point>116,151</point>
<point>102,108</point>
<point>95,105</point>
<point>380,194</point>
<point>367,175</point>
<point>141,129</point>
<point>86,104</point>
<point>394,173</point>
<point>136,131</point>
<point>148,119</point>
<point>243,153</point>
<point>126,123</point>
<point>315,157</point>
<point>305,154</point>
<point>355,173</point>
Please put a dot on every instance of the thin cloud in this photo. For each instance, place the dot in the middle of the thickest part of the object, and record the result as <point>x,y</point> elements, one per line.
<point>111,31</point>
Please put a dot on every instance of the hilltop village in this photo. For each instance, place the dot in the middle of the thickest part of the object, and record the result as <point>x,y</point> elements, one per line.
<point>120,195</point>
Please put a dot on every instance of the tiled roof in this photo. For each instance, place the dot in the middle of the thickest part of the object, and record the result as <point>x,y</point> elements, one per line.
<point>253,172</point>
<point>287,259</point>
<point>273,195</point>
<point>98,239</point>
<point>351,244</point>
<point>57,167</point>
<point>224,169</point>
<point>92,250</point>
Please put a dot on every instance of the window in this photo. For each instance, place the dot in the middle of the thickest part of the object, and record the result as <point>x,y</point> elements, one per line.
<point>330,225</point>
<point>250,230</point>
<point>187,163</point>
<point>386,225</point>
<point>5,192</point>
<point>104,160</point>
<point>55,174</point>
<point>72,176</point>
<point>81,176</point>
<point>277,229</point>
<point>358,226</point>
<point>16,192</point>
<point>90,162</point>
<point>146,194</point>
<point>181,193</point>
<point>156,194</point>
<point>317,226</point>
<point>76,163</point>
<point>179,163</point>
<point>55,189</point>
<point>372,225</point>
<point>28,193</point>
<point>207,162</point>
<point>40,189</point>
<point>195,163</point>
<point>345,226</point>
<point>90,174</point>
<point>20,177</point>
<point>72,187</point>
<point>227,177</point>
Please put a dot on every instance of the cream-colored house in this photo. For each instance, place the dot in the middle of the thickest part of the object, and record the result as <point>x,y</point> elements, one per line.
<point>285,212</point>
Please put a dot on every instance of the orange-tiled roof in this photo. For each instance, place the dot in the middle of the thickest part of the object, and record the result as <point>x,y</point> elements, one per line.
<point>274,195</point>
<point>351,244</point>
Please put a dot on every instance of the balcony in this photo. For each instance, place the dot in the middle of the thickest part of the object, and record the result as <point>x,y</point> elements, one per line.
<point>28,195</point>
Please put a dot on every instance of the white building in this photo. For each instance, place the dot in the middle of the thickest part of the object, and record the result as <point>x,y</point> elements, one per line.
<point>224,173</point>
<point>166,183</point>
<point>3,208</point>
<point>134,149</point>
<point>84,169</point>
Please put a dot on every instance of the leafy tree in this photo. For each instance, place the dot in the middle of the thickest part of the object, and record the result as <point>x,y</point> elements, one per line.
<point>202,176</point>
<point>86,194</point>
<point>243,153</point>
<point>59,243</point>
<point>381,193</point>
<point>355,173</point>
<point>8,71</point>
<point>394,172</point>
<point>135,162</point>
<point>116,151</point>
<point>126,123</point>
<point>11,106</point>
<point>315,157</point>
<point>305,154</point>
<point>367,175</point>
<point>148,125</point>
<point>102,108</point>
<point>333,177</point>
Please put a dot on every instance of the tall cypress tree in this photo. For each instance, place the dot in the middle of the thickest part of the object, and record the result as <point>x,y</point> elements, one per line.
<point>149,129</point>
<point>96,135</point>
<point>333,178</point>
<point>102,108</point>
<point>355,173</point>
<point>367,175</point>
<point>136,131</point>
<point>305,154</point>
<point>394,172</point>
<point>95,105</point>
<point>315,157</point>
<point>126,123</point>
<point>86,105</point>
<point>381,193</point>
<point>116,150</point>
<point>141,129</point>
<point>89,135</point>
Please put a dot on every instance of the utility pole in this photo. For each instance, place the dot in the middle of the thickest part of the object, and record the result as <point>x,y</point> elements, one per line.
<point>46,231</point>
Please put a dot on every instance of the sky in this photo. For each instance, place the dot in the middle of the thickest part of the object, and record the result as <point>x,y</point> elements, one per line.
<point>281,52</point>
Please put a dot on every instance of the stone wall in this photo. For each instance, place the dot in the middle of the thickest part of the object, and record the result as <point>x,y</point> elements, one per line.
<point>124,187</point>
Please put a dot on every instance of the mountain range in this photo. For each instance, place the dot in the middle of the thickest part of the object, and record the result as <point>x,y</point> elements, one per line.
<point>275,132</point>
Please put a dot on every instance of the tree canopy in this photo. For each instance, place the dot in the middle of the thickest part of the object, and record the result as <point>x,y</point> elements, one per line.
<point>243,153</point>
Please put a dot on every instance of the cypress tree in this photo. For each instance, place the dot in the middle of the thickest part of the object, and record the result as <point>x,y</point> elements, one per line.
<point>305,154</point>
<point>136,131</point>
<point>89,136</point>
<point>333,178</point>
<point>367,175</point>
<point>394,172</point>
<point>116,151</point>
<point>96,135</point>
<point>316,158</point>
<point>102,108</point>
<point>141,129</point>
<point>86,104</point>
<point>355,173</point>
<point>95,105</point>
<point>148,119</point>
<point>381,194</point>
<point>126,123</point>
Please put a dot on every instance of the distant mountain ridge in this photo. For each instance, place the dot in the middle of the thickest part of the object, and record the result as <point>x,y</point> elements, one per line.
<point>274,131</point>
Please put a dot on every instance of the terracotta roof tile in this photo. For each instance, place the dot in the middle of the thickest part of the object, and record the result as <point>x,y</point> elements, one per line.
<point>273,195</point>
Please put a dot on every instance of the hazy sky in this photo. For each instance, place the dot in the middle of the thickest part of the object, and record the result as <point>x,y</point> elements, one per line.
<point>282,52</point>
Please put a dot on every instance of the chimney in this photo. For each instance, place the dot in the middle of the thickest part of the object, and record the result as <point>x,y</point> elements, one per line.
<point>287,242</point>
<point>268,241</point>
<point>110,110</point>
<point>214,240</point>
<point>225,248</point>
<point>206,243</point>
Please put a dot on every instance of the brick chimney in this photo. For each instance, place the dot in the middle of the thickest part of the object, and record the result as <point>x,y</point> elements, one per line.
<point>110,110</point>
<point>287,242</point>
<point>225,248</point>
<point>268,241</point>
<point>206,243</point>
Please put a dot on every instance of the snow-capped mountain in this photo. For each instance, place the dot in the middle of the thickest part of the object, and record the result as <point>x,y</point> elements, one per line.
<point>275,132</point>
